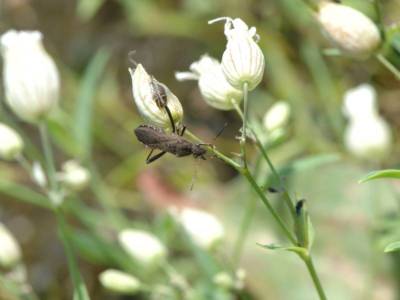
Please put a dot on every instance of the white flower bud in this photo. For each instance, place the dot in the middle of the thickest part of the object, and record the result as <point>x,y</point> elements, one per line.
<point>145,95</point>
<point>203,228</point>
<point>214,87</point>
<point>119,282</point>
<point>10,252</point>
<point>31,78</point>
<point>223,280</point>
<point>368,135</point>
<point>11,144</point>
<point>142,246</point>
<point>243,60</point>
<point>38,174</point>
<point>74,176</point>
<point>277,116</point>
<point>349,29</point>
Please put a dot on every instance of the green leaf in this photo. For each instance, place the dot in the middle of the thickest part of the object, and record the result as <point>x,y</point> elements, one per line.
<point>389,173</point>
<point>299,250</point>
<point>84,104</point>
<point>395,246</point>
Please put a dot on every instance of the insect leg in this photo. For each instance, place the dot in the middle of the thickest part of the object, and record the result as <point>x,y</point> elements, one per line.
<point>150,153</point>
<point>183,131</point>
<point>155,157</point>
<point>170,118</point>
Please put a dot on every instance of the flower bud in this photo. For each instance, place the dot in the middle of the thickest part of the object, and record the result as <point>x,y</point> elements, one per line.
<point>349,29</point>
<point>11,144</point>
<point>31,78</point>
<point>243,60</point>
<point>223,280</point>
<point>213,85</point>
<point>203,228</point>
<point>10,252</point>
<point>74,176</point>
<point>367,135</point>
<point>142,246</point>
<point>277,116</point>
<point>119,282</point>
<point>303,227</point>
<point>38,174</point>
<point>145,92</point>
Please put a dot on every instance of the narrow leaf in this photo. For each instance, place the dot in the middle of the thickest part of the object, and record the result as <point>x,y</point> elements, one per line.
<point>395,246</point>
<point>84,104</point>
<point>389,173</point>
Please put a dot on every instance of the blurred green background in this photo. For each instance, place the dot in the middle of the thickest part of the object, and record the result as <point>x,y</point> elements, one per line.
<point>90,41</point>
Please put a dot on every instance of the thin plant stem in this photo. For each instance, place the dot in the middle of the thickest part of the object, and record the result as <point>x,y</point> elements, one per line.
<point>314,276</point>
<point>244,128</point>
<point>80,292</point>
<point>244,227</point>
<point>388,65</point>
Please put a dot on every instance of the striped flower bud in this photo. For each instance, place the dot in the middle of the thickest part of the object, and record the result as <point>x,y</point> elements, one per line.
<point>214,87</point>
<point>119,282</point>
<point>31,79</point>
<point>243,60</point>
<point>11,144</point>
<point>151,97</point>
<point>142,246</point>
<point>10,252</point>
<point>349,29</point>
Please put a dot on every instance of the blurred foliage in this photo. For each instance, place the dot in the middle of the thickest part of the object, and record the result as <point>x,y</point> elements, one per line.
<point>91,39</point>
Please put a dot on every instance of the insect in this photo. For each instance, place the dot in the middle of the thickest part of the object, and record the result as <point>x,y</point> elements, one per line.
<point>173,143</point>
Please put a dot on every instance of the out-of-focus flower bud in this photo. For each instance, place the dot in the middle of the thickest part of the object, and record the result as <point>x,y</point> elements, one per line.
<point>119,282</point>
<point>11,144</point>
<point>147,93</point>
<point>223,280</point>
<point>38,174</point>
<point>214,87</point>
<point>349,29</point>
<point>243,60</point>
<point>10,252</point>
<point>74,176</point>
<point>203,228</point>
<point>277,116</point>
<point>142,246</point>
<point>31,78</point>
<point>368,135</point>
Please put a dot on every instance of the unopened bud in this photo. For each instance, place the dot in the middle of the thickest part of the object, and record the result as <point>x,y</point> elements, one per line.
<point>31,78</point>
<point>223,280</point>
<point>11,144</point>
<point>74,176</point>
<point>277,116</point>
<point>10,252</point>
<point>119,282</point>
<point>203,228</point>
<point>151,97</point>
<point>214,87</point>
<point>303,227</point>
<point>142,246</point>
<point>349,29</point>
<point>243,60</point>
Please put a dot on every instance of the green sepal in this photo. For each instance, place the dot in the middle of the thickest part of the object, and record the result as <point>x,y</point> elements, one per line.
<point>303,227</point>
<point>303,252</point>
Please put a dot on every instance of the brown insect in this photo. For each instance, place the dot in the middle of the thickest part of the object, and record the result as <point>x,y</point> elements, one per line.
<point>155,138</point>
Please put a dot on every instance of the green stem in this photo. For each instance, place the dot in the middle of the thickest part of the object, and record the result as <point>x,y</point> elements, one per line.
<point>218,154</point>
<point>388,65</point>
<point>314,276</point>
<point>244,128</point>
<point>80,292</point>
<point>48,155</point>
<point>264,199</point>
